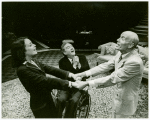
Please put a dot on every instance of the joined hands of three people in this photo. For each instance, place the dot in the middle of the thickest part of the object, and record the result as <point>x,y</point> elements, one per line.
<point>78,83</point>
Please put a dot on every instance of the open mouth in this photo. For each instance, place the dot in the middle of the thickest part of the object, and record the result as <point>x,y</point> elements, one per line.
<point>72,51</point>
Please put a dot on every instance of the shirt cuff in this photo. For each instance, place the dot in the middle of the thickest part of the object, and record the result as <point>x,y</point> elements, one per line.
<point>91,83</point>
<point>88,73</point>
<point>74,67</point>
<point>70,84</point>
<point>70,75</point>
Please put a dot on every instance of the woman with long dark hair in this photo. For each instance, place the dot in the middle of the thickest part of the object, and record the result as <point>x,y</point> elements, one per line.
<point>32,75</point>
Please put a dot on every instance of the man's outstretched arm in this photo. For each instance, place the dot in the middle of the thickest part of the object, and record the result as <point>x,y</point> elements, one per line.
<point>102,68</point>
<point>127,72</point>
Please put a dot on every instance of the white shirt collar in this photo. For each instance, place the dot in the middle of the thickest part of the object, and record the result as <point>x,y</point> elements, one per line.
<point>32,62</point>
<point>25,62</point>
<point>70,60</point>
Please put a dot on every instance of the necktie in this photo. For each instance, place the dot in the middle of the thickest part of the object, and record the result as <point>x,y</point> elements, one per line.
<point>72,61</point>
<point>120,58</point>
<point>77,68</point>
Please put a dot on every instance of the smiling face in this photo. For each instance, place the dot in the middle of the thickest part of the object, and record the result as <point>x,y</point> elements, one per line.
<point>69,50</point>
<point>30,48</point>
<point>125,42</point>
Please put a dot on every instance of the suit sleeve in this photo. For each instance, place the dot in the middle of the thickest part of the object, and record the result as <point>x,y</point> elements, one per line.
<point>128,71</point>
<point>102,68</point>
<point>40,82</point>
<point>87,67</point>
<point>62,66</point>
<point>55,71</point>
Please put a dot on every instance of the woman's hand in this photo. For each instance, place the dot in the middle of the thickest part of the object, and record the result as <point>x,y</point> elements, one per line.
<point>80,84</point>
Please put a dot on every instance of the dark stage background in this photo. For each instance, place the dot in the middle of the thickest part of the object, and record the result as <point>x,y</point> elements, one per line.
<point>51,22</point>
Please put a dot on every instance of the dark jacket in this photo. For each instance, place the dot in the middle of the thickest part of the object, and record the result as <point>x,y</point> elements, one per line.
<point>39,86</point>
<point>65,64</point>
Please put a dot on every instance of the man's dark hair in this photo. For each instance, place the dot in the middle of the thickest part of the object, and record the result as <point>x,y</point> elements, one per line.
<point>62,46</point>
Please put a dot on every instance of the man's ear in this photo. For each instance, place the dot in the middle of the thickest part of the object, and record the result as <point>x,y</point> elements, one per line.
<point>64,52</point>
<point>131,45</point>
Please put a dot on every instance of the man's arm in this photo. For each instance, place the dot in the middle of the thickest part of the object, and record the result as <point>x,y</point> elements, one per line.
<point>102,68</point>
<point>62,65</point>
<point>128,71</point>
<point>87,67</point>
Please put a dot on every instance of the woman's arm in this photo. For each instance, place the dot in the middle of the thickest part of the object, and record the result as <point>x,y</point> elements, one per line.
<point>55,71</point>
<point>39,81</point>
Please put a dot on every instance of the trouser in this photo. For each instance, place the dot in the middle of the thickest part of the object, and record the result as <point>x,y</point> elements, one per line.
<point>115,115</point>
<point>121,116</point>
<point>71,105</point>
<point>48,111</point>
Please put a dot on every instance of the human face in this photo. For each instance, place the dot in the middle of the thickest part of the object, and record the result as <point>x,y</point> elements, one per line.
<point>69,50</point>
<point>124,43</point>
<point>30,48</point>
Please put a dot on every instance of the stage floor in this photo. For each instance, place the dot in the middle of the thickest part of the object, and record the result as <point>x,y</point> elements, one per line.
<point>15,99</point>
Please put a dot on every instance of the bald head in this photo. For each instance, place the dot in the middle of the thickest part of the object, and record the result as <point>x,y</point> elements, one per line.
<point>132,37</point>
<point>127,42</point>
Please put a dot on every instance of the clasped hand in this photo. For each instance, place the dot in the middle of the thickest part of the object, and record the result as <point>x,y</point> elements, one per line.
<point>77,77</point>
<point>79,85</point>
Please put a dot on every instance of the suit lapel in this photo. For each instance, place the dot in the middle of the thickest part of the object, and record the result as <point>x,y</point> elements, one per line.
<point>38,65</point>
<point>121,63</point>
<point>33,67</point>
<point>68,63</point>
<point>80,60</point>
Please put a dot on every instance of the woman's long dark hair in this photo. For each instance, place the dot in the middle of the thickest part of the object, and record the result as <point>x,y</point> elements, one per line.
<point>18,52</point>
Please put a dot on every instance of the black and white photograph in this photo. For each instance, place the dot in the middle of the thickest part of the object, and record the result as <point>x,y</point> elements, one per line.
<point>74,59</point>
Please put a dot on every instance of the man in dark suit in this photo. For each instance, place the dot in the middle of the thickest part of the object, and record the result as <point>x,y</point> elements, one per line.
<point>75,64</point>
